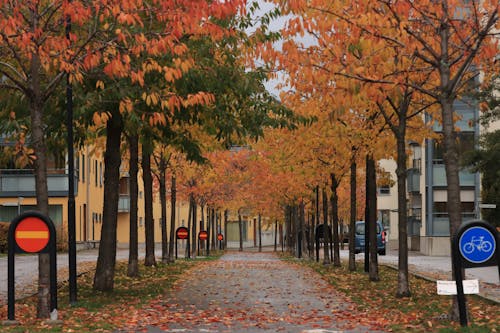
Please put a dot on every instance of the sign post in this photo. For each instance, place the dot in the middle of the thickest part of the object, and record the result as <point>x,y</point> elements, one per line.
<point>31,232</point>
<point>474,245</point>
<point>183,234</point>
<point>202,236</point>
<point>220,238</point>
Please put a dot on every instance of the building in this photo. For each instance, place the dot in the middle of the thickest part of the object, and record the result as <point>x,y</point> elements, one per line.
<point>428,223</point>
<point>17,194</point>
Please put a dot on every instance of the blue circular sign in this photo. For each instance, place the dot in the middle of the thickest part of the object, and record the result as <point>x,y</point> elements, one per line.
<point>477,245</point>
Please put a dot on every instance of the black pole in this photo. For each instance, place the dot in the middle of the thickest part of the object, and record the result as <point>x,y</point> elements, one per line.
<point>71,183</point>
<point>11,282</point>
<point>53,268</point>
<point>367,217</point>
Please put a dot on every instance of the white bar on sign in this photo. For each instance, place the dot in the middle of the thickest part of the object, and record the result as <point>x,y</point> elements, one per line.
<point>450,287</point>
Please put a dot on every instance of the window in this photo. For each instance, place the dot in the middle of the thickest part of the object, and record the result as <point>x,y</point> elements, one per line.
<point>77,167</point>
<point>384,216</point>
<point>384,190</point>
<point>466,142</point>
<point>8,213</point>
<point>95,173</point>
<point>140,222</point>
<point>100,174</point>
<point>83,168</point>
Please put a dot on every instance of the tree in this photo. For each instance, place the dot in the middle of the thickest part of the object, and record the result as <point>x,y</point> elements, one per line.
<point>36,55</point>
<point>485,160</point>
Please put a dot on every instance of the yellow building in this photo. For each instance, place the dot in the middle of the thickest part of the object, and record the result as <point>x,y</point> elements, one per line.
<point>17,194</point>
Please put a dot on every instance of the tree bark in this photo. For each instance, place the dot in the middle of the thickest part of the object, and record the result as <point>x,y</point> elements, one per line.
<point>240,229</point>
<point>149,226</point>
<point>326,231</point>
<point>173,198</point>
<point>403,289</point>
<point>213,227</point>
<point>335,219</point>
<point>163,203</point>
<point>371,222</point>
<point>133,258</point>
<point>105,269</point>
<point>41,188</point>
<point>194,237</point>
<point>352,221</point>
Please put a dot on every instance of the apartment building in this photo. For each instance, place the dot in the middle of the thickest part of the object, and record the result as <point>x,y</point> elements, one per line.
<point>17,194</point>
<point>428,222</point>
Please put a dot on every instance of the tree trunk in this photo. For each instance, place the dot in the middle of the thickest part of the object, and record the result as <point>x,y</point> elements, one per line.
<point>149,226</point>
<point>326,231</point>
<point>214,238</point>
<point>173,197</point>
<point>42,193</point>
<point>452,179</point>
<point>276,236</point>
<point>260,233</point>
<point>189,226</point>
<point>240,229</point>
<point>163,203</point>
<point>403,289</point>
<point>352,222</point>
<point>105,269</point>
<point>371,222</point>
<point>202,224</point>
<point>335,219</point>
<point>133,258</point>
<point>226,216</point>
<point>194,238</point>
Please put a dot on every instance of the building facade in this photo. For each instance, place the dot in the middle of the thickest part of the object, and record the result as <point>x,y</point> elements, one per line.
<point>428,222</point>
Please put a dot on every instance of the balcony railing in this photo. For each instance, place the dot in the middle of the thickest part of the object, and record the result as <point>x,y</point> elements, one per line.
<point>413,180</point>
<point>21,182</point>
<point>124,203</point>
<point>439,176</point>
<point>441,223</point>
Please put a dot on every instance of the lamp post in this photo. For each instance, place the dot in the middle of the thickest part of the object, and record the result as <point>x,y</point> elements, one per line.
<point>71,182</point>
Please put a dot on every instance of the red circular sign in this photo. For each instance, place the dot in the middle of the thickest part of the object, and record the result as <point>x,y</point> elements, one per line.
<point>220,237</point>
<point>32,234</point>
<point>182,233</point>
<point>203,235</point>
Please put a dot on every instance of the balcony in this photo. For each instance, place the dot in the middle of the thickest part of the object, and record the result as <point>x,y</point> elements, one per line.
<point>413,180</point>
<point>124,203</point>
<point>21,182</point>
<point>441,222</point>
<point>439,176</point>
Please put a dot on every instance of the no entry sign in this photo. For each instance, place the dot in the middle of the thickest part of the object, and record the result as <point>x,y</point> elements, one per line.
<point>32,234</point>
<point>203,235</point>
<point>182,233</point>
<point>220,237</point>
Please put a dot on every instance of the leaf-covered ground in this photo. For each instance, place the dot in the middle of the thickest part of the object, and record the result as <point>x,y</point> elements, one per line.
<point>251,292</point>
<point>424,311</point>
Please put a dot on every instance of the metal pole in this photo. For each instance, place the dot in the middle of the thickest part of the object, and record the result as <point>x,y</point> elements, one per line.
<point>71,183</point>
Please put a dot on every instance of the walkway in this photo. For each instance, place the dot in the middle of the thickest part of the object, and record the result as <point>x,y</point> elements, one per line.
<point>250,292</point>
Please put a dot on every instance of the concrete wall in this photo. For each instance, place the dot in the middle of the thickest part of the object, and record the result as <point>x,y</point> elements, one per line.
<point>435,246</point>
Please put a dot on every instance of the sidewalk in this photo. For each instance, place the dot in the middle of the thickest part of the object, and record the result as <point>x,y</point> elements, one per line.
<point>439,268</point>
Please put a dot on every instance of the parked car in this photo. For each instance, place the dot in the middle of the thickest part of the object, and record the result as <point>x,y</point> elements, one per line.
<point>359,238</point>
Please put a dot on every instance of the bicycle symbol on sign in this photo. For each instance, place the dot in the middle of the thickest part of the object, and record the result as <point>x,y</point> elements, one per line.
<point>477,243</point>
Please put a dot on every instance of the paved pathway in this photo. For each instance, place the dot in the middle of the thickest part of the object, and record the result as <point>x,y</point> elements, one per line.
<point>250,292</point>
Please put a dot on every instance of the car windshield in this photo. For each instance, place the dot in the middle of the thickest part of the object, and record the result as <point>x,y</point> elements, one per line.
<point>360,228</point>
